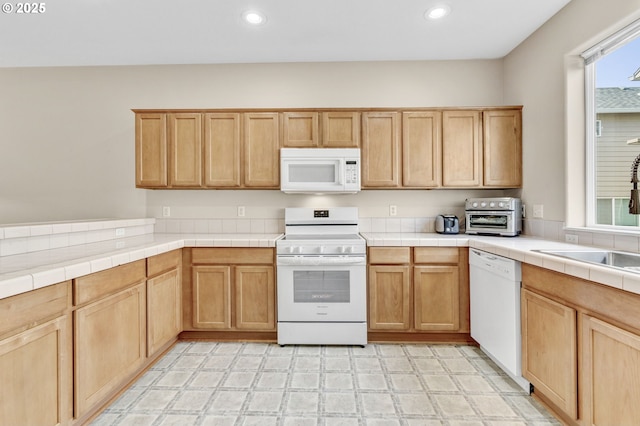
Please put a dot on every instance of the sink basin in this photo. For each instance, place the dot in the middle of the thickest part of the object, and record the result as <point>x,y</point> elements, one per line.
<point>616,259</point>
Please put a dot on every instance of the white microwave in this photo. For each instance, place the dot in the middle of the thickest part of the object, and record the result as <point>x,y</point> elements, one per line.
<point>320,170</point>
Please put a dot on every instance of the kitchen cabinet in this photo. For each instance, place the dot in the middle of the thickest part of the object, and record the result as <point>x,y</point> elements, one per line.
<point>341,129</point>
<point>462,148</point>
<point>151,150</point>
<point>389,297</point>
<point>502,148</point>
<point>109,332</point>
<point>164,300</point>
<point>300,130</point>
<point>436,284</point>
<point>549,357</point>
<point>610,373</point>
<point>222,146</point>
<point>380,149</point>
<point>581,347</point>
<point>418,290</point>
<point>421,149</point>
<point>233,289</point>
<point>36,357</point>
<point>261,148</point>
<point>185,145</point>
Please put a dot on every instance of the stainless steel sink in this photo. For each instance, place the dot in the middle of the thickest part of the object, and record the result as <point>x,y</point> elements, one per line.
<point>615,259</point>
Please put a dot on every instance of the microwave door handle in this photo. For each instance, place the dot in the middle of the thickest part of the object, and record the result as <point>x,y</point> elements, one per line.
<point>340,171</point>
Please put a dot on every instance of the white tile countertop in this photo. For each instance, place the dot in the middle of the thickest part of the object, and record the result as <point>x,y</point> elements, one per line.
<point>29,271</point>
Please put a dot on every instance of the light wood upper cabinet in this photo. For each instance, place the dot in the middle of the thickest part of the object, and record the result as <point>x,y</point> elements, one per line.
<point>502,148</point>
<point>461,148</point>
<point>185,144</point>
<point>549,354</point>
<point>610,374</point>
<point>151,150</point>
<point>340,129</point>
<point>380,149</point>
<point>261,145</point>
<point>300,129</point>
<point>222,145</point>
<point>421,149</point>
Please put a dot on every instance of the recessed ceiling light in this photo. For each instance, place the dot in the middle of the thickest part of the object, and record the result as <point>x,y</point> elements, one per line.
<point>254,17</point>
<point>437,12</point>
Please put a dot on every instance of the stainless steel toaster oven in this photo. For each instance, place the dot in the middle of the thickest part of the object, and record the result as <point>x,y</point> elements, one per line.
<point>493,216</point>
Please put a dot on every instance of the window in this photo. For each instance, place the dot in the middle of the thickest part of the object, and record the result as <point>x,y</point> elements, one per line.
<point>612,77</point>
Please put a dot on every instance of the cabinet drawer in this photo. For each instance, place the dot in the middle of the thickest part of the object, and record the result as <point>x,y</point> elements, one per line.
<point>439,255</point>
<point>389,255</point>
<point>232,255</point>
<point>100,284</point>
<point>163,262</point>
<point>24,310</point>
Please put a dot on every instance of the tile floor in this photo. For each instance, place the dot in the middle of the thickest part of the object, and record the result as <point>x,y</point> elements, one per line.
<point>209,383</point>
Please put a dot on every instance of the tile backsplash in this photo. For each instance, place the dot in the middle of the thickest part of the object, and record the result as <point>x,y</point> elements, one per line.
<point>27,238</point>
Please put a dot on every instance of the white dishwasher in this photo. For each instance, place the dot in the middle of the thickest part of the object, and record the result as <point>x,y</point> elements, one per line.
<point>495,310</point>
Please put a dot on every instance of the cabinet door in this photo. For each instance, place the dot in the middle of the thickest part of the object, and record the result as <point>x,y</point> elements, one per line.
<point>461,148</point>
<point>261,150</point>
<point>185,145</point>
<point>254,298</point>
<point>151,150</point>
<point>610,374</point>
<point>222,150</point>
<point>380,149</point>
<point>35,375</point>
<point>300,129</point>
<point>436,298</point>
<point>549,357</point>
<point>164,311</point>
<point>421,149</point>
<point>389,297</point>
<point>340,129</point>
<point>110,345</point>
<point>212,297</point>
<point>503,148</point>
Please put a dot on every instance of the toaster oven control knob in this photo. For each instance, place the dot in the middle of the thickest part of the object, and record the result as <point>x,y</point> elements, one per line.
<point>474,204</point>
<point>501,204</point>
<point>483,204</point>
<point>492,204</point>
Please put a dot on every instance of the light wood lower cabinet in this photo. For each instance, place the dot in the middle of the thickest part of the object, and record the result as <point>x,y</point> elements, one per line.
<point>36,371</point>
<point>164,300</point>
<point>420,289</point>
<point>35,375</point>
<point>233,289</point>
<point>549,354</point>
<point>610,374</point>
<point>389,297</point>
<point>110,345</point>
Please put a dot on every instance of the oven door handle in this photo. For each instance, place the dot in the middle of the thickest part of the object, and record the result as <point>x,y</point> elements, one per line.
<point>321,260</point>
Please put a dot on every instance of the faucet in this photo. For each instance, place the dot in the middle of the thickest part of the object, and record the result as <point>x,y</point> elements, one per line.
<point>634,200</point>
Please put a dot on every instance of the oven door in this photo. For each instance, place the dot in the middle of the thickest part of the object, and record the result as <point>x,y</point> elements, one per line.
<point>317,292</point>
<point>490,222</point>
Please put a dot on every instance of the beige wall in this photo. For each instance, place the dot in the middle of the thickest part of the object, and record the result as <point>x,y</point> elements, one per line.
<point>67,134</point>
<point>544,74</point>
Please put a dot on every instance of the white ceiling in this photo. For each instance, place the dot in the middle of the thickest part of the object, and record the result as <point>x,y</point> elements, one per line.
<point>136,32</point>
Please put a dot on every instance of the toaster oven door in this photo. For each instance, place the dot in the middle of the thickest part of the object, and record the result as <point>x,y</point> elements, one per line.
<point>489,222</point>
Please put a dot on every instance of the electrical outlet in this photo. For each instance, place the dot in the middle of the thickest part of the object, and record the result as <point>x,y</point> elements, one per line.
<point>240,211</point>
<point>538,210</point>
<point>571,238</point>
<point>120,232</point>
<point>393,210</point>
<point>166,211</point>
<point>524,211</point>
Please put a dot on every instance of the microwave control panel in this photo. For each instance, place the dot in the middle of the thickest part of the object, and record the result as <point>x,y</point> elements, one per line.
<point>351,171</point>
